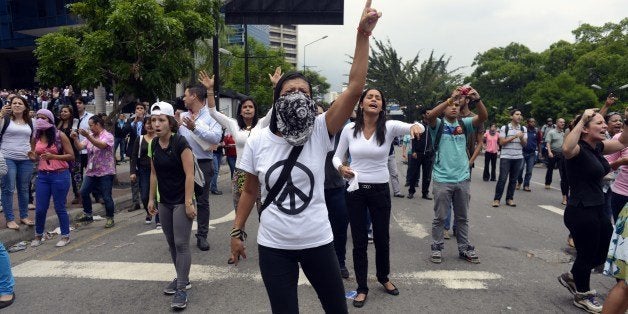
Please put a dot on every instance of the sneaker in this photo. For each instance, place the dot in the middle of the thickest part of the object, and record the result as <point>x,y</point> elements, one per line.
<point>437,254</point>
<point>158,226</point>
<point>446,235</point>
<point>344,272</point>
<point>469,255</point>
<point>31,206</point>
<point>110,223</point>
<point>180,300</point>
<point>37,241</point>
<point>547,186</point>
<point>518,187</point>
<point>399,195</point>
<point>567,281</point>
<point>410,195</point>
<point>148,220</point>
<point>588,301</point>
<point>171,288</point>
<point>83,217</point>
<point>63,242</point>
<point>370,238</point>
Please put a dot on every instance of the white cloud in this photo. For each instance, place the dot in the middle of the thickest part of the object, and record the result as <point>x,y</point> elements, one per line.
<point>458,29</point>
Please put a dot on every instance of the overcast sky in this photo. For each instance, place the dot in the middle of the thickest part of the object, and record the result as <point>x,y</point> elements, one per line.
<point>458,29</point>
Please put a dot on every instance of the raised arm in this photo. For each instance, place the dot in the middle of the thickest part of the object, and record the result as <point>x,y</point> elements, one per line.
<point>343,106</point>
<point>570,144</point>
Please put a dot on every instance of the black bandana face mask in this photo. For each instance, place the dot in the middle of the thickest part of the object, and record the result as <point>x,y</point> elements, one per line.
<point>295,113</point>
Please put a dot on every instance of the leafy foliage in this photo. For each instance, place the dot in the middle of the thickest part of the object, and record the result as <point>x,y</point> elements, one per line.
<point>135,47</point>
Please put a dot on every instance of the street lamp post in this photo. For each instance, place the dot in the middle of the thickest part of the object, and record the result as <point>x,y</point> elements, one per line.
<point>609,89</point>
<point>306,47</point>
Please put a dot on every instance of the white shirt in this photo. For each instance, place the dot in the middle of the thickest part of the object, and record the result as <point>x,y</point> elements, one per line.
<point>84,124</point>
<point>369,159</point>
<point>239,135</point>
<point>305,224</point>
<point>206,128</point>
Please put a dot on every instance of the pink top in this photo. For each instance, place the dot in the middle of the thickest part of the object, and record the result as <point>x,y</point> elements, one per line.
<point>491,141</point>
<point>100,162</point>
<point>620,186</point>
<point>52,164</point>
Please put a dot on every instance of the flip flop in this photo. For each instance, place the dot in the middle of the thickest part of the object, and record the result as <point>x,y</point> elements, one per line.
<point>13,228</point>
<point>27,222</point>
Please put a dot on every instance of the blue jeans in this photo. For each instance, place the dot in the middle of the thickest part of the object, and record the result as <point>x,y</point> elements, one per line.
<point>19,173</point>
<point>231,160</point>
<point>528,164</point>
<point>119,141</point>
<point>6,277</point>
<point>57,185</point>
<point>509,169</point>
<point>213,186</point>
<point>104,185</point>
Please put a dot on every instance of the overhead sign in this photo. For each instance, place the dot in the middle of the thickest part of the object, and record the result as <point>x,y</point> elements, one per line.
<point>283,12</point>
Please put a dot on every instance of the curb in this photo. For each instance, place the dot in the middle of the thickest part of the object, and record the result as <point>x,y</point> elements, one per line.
<point>10,237</point>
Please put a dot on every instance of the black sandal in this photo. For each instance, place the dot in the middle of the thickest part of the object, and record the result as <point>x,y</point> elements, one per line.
<point>360,304</point>
<point>394,291</point>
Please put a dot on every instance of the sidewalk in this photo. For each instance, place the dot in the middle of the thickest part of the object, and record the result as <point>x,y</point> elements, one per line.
<point>121,198</point>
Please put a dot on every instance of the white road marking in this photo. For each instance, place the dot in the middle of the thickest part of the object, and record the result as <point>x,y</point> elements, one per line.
<point>411,228</point>
<point>226,218</point>
<point>454,279</point>
<point>553,209</point>
<point>124,271</point>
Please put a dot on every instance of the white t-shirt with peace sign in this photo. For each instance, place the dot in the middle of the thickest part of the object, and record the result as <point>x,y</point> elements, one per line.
<point>297,219</point>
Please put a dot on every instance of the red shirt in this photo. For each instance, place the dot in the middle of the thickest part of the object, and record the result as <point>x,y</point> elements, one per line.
<point>230,147</point>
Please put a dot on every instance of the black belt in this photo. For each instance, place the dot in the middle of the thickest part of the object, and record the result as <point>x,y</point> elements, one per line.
<point>53,171</point>
<point>368,186</point>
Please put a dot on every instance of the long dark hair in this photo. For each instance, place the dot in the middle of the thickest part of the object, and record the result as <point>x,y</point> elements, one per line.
<point>239,118</point>
<point>380,126</point>
<point>276,94</point>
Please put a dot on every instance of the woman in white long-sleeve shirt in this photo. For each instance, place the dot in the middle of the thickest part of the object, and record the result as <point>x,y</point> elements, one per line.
<point>368,140</point>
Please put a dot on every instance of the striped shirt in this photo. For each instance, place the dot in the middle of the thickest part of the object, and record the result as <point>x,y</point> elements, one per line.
<point>512,150</point>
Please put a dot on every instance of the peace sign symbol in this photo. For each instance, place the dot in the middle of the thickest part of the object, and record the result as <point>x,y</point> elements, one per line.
<point>290,190</point>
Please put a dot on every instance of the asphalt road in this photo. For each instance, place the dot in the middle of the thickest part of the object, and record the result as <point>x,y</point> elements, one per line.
<point>124,269</point>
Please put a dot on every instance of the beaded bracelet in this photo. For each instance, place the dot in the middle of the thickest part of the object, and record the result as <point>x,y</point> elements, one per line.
<point>363,32</point>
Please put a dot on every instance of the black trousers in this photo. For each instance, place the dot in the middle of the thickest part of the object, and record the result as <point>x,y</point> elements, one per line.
<point>492,159</point>
<point>202,198</point>
<point>280,272</point>
<point>376,199</point>
<point>591,230</point>
<point>424,162</point>
<point>557,162</point>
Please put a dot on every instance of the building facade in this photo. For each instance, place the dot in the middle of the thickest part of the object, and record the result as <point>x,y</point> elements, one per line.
<point>21,22</point>
<point>258,32</point>
<point>286,37</point>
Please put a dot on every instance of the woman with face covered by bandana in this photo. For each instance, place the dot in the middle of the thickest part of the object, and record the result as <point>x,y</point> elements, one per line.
<point>55,153</point>
<point>294,229</point>
<point>368,140</point>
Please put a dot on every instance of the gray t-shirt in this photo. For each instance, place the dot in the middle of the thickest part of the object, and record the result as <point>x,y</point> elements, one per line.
<point>513,149</point>
<point>16,141</point>
<point>555,138</point>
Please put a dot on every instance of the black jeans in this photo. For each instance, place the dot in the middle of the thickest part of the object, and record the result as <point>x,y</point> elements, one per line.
<point>202,198</point>
<point>492,159</point>
<point>425,163</point>
<point>591,231</point>
<point>557,162</point>
<point>508,169</point>
<point>280,272</point>
<point>339,220</point>
<point>376,199</point>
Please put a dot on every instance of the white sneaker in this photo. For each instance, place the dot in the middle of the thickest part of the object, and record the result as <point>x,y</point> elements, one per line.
<point>588,301</point>
<point>37,241</point>
<point>63,242</point>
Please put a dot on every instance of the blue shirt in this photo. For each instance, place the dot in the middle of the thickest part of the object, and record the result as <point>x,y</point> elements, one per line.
<point>451,163</point>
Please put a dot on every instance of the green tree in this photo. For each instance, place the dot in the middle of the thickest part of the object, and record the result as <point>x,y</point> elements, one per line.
<point>411,83</point>
<point>133,47</point>
<point>262,61</point>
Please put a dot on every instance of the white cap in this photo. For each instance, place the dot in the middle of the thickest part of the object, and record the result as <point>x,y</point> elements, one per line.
<point>162,107</point>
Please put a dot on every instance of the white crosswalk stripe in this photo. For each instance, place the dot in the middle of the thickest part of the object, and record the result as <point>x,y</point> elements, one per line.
<point>553,209</point>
